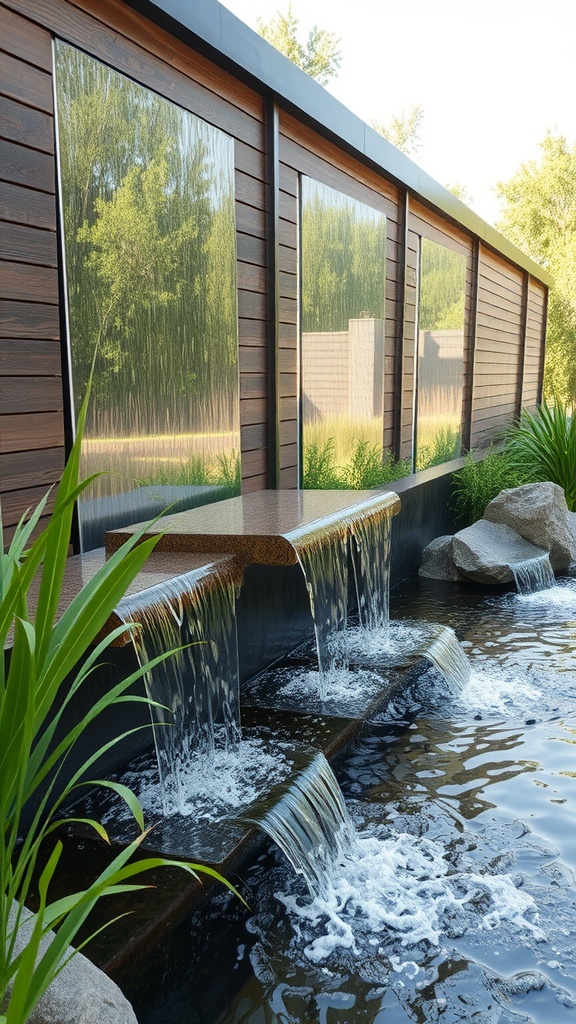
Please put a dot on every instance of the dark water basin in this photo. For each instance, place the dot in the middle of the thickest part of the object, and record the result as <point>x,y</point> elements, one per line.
<point>459,903</point>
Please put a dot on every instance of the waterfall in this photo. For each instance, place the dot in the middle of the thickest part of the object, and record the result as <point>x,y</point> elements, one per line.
<point>371,533</point>
<point>196,690</point>
<point>533,575</point>
<point>443,649</point>
<point>322,553</point>
<point>309,821</point>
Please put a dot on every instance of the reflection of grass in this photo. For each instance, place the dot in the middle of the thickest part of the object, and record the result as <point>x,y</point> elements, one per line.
<point>439,444</point>
<point>180,459</point>
<point>367,466</point>
<point>223,471</point>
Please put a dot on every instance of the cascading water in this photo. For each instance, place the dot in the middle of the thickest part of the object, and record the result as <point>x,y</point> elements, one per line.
<point>323,557</point>
<point>533,575</point>
<point>196,690</point>
<point>370,532</point>
<point>309,821</point>
<point>446,654</point>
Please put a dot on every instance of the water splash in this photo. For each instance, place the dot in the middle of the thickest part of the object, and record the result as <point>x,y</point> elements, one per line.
<point>197,688</point>
<point>533,575</point>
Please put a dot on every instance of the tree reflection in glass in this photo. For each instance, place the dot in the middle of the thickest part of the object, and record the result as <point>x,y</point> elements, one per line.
<point>343,338</point>
<point>440,368</point>
<point>148,211</point>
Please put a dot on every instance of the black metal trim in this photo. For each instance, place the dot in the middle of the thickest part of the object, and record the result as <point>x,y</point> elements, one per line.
<point>522,352</point>
<point>472,338</point>
<point>398,391</point>
<point>272,162</point>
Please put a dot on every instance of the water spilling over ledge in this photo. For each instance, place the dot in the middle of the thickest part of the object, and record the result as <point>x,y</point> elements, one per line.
<point>533,574</point>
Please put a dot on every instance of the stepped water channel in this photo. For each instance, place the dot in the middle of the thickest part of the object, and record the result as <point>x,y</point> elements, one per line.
<point>454,898</point>
<point>206,770</point>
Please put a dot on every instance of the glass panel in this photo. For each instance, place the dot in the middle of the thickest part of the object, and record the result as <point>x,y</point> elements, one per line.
<point>343,335</point>
<point>440,354</point>
<point>148,210</point>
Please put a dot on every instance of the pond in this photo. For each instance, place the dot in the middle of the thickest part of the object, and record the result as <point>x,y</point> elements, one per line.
<point>458,902</point>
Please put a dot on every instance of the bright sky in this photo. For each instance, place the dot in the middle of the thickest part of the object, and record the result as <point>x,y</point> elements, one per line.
<point>492,77</point>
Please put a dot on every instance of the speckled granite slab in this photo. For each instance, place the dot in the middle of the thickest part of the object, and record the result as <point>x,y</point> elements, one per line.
<point>262,527</point>
<point>160,566</point>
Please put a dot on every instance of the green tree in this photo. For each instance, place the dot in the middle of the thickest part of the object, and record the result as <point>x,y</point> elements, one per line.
<point>540,217</point>
<point>319,55</point>
<point>403,130</point>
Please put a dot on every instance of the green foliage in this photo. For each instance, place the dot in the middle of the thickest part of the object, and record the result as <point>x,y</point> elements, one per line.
<point>368,467</point>
<point>224,472</point>
<point>34,753</point>
<point>319,56</point>
<point>480,480</point>
<point>343,259</point>
<point>320,470</point>
<point>148,205</point>
<point>540,217</point>
<point>442,288</point>
<point>403,130</point>
<point>542,446</point>
<point>444,446</point>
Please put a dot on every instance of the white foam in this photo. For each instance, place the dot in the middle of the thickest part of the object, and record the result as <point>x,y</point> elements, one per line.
<point>401,887</point>
<point>559,597</point>
<point>227,782</point>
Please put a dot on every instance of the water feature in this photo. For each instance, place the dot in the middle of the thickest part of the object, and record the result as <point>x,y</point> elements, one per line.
<point>457,899</point>
<point>533,574</point>
<point>308,821</point>
<point>370,537</point>
<point>196,691</point>
<point>323,557</point>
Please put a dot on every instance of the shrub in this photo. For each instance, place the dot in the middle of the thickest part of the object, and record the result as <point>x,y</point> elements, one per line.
<point>542,446</point>
<point>481,478</point>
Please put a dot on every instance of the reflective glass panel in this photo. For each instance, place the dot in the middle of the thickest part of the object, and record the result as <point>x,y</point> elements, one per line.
<point>148,213</point>
<point>343,261</point>
<point>440,365</point>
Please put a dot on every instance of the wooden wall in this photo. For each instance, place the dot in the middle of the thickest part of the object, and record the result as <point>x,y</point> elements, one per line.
<point>31,401</point>
<point>505,311</point>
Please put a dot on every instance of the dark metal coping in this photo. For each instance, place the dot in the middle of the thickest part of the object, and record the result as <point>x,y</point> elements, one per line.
<point>212,29</point>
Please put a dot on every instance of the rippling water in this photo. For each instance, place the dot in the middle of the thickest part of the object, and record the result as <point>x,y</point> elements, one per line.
<point>458,902</point>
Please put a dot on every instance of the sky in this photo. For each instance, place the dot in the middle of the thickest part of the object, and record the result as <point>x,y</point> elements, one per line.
<point>492,77</point>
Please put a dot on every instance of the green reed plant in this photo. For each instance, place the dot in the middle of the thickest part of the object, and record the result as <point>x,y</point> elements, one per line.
<point>34,781</point>
<point>481,479</point>
<point>542,445</point>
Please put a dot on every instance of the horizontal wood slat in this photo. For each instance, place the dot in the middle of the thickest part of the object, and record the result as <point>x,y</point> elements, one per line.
<point>29,358</point>
<point>25,431</point>
<point>25,206</point>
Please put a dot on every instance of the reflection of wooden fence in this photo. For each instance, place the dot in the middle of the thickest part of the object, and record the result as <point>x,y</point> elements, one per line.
<point>343,371</point>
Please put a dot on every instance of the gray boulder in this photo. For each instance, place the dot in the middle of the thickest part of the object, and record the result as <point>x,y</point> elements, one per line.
<point>572,528</point>
<point>538,512</point>
<point>81,994</point>
<point>438,560</point>
<point>484,552</point>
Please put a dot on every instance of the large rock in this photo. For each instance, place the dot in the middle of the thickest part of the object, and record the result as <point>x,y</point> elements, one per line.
<point>81,994</point>
<point>538,512</point>
<point>438,560</point>
<point>484,552</point>
<point>572,529</point>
